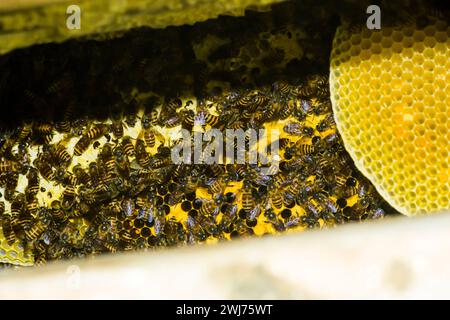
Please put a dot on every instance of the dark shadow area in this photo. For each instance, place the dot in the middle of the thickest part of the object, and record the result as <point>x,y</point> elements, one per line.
<point>38,82</point>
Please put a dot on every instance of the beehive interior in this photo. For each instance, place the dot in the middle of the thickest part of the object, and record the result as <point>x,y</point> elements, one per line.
<point>264,70</point>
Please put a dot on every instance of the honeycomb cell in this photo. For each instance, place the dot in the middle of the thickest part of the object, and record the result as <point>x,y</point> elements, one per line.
<point>14,253</point>
<point>401,145</point>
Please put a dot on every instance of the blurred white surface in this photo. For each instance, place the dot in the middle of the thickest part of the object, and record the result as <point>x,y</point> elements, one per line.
<point>401,258</point>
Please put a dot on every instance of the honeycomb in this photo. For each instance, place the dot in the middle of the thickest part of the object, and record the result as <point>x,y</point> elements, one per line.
<point>109,228</point>
<point>390,93</point>
<point>14,254</point>
<point>270,74</point>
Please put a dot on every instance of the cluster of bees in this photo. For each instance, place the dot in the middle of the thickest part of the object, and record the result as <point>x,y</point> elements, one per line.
<point>85,161</point>
<point>102,186</point>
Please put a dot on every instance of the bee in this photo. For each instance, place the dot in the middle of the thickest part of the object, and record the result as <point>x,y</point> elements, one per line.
<point>96,131</point>
<point>247,114</point>
<point>32,205</point>
<point>307,90</point>
<point>270,215</point>
<point>4,179</point>
<point>114,206</point>
<point>294,187</point>
<point>24,220</point>
<point>228,217</point>
<point>130,117</point>
<point>188,118</point>
<point>7,229</point>
<point>297,129</point>
<point>235,125</point>
<point>81,146</point>
<point>331,139</point>
<point>68,197</point>
<point>153,117</point>
<point>11,185</point>
<point>141,202</point>
<point>363,189</point>
<point>303,109</point>
<point>340,179</point>
<point>215,170</point>
<point>292,222</point>
<point>171,230</point>
<point>7,166</point>
<point>156,163</point>
<point>142,157</point>
<point>284,110</point>
<point>209,208</point>
<point>361,205</point>
<point>320,83</point>
<point>44,131</point>
<point>280,181</point>
<point>2,208</point>
<point>82,177</point>
<point>7,144</point>
<point>24,132</point>
<point>64,126</point>
<point>109,165</point>
<point>327,123</point>
<point>128,206</point>
<point>327,204</point>
<point>288,199</point>
<point>62,157</point>
<point>205,117</point>
<point>248,202</point>
<point>57,211</point>
<point>45,169</point>
<point>160,221</point>
<point>127,146</point>
<point>282,87</point>
<point>147,133</point>
<point>172,105</point>
<point>244,101</point>
<point>117,127</point>
<point>76,209</point>
<point>376,213</point>
<point>9,181</point>
<point>214,186</point>
<point>304,149</point>
<point>23,158</point>
<point>254,213</point>
<point>94,173</point>
<point>111,244</point>
<point>17,206</point>
<point>276,199</point>
<point>149,136</point>
<point>312,210</point>
<point>33,233</point>
<point>195,230</point>
<point>260,100</point>
<point>79,126</point>
<point>208,224</point>
<point>122,164</point>
<point>309,221</point>
<point>40,253</point>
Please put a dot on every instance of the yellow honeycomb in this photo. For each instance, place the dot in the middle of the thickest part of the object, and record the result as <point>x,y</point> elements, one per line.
<point>390,93</point>
<point>14,254</point>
